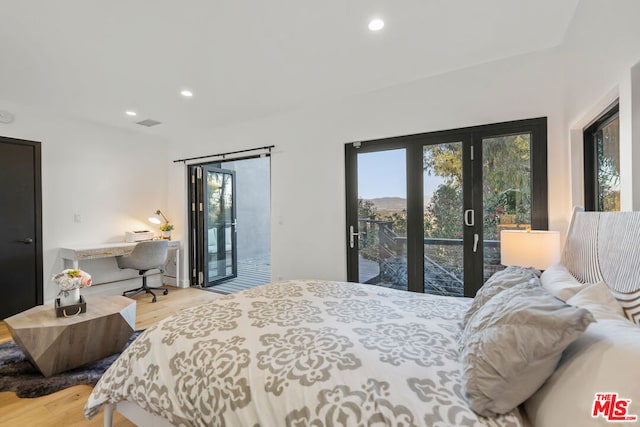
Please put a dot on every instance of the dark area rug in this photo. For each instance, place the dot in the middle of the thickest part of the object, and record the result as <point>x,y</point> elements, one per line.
<point>19,375</point>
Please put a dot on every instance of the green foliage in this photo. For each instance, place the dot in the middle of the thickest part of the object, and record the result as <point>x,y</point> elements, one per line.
<point>444,160</point>
<point>371,220</point>
<point>506,173</point>
<point>443,215</point>
<point>367,241</point>
<point>366,209</point>
<point>219,199</point>
<point>608,199</point>
<point>166,227</point>
<point>608,186</point>
<point>506,177</point>
<point>398,222</point>
<point>506,181</point>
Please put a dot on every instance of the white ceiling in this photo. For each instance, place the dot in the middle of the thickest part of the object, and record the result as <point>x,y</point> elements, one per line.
<point>95,59</point>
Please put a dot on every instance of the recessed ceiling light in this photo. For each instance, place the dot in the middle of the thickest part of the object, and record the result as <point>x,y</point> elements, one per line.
<point>376,24</point>
<point>131,113</point>
<point>186,93</point>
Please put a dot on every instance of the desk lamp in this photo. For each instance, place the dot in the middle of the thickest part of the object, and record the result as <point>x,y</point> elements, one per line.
<point>155,218</point>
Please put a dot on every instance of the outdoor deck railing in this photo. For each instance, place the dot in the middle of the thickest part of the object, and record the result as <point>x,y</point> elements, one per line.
<point>389,244</point>
<point>388,239</point>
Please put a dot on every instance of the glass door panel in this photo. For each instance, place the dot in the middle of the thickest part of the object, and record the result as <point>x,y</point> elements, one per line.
<point>607,144</point>
<point>425,211</point>
<point>219,221</point>
<point>443,219</point>
<point>506,192</point>
<point>382,218</point>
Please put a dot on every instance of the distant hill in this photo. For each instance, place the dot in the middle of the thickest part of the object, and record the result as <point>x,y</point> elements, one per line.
<point>389,203</point>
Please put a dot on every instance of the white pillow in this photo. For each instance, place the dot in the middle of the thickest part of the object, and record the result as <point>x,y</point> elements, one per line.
<point>603,360</point>
<point>557,280</point>
<point>599,301</point>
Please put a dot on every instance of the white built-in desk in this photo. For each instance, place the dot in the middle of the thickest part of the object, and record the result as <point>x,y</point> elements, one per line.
<point>71,256</point>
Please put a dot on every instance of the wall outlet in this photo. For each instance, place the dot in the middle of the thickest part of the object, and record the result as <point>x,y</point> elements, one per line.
<point>77,218</point>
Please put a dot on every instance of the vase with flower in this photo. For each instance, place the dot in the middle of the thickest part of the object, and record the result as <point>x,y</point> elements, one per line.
<point>69,282</point>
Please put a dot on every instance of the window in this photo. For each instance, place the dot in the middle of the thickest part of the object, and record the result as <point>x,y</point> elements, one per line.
<point>602,162</point>
<point>424,212</point>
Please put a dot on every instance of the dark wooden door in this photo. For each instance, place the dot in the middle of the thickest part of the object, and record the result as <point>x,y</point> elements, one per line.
<point>20,230</point>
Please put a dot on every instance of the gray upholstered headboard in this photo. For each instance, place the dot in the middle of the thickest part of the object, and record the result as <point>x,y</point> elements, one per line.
<point>605,246</point>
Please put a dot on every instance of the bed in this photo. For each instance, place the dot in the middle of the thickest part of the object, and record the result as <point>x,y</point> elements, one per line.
<point>322,353</point>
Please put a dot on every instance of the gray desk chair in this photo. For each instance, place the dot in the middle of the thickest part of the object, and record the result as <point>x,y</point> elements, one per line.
<point>145,256</point>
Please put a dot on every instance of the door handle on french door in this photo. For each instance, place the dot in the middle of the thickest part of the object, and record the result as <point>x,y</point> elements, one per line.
<point>352,234</point>
<point>475,242</point>
<point>469,218</point>
<point>27,241</point>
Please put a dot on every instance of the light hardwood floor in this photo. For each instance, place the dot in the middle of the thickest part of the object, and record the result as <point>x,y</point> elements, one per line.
<point>65,408</point>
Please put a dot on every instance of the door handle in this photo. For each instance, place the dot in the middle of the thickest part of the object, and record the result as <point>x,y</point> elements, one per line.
<point>475,242</point>
<point>27,241</point>
<point>469,218</point>
<point>234,224</point>
<point>352,235</point>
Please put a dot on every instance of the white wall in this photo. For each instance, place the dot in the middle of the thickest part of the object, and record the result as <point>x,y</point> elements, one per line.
<point>600,50</point>
<point>307,170</point>
<point>253,204</point>
<point>112,178</point>
<point>567,84</point>
<point>633,116</point>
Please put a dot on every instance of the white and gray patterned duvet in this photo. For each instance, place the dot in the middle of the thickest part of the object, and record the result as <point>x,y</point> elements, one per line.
<point>301,353</point>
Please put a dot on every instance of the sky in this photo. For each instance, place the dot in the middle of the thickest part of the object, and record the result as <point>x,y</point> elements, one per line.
<point>383,174</point>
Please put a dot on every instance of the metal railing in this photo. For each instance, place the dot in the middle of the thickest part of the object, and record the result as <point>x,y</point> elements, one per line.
<point>388,239</point>
<point>380,243</point>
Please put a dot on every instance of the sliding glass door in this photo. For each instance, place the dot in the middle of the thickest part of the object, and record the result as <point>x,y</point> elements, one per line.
<point>424,212</point>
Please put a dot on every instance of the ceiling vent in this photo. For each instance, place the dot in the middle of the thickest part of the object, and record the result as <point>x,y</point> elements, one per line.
<point>148,123</point>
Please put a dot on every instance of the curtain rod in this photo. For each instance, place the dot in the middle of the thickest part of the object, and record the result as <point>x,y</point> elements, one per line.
<point>223,155</point>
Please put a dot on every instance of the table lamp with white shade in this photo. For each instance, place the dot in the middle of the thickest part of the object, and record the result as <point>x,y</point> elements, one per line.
<point>158,217</point>
<point>165,227</point>
<point>539,249</point>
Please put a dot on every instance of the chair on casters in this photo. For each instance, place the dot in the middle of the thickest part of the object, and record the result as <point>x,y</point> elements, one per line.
<point>145,256</point>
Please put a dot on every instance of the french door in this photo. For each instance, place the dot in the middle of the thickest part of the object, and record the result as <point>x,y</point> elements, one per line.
<point>213,251</point>
<point>424,212</point>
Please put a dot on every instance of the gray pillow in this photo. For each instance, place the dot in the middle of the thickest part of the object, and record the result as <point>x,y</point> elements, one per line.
<point>504,279</point>
<point>512,345</point>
